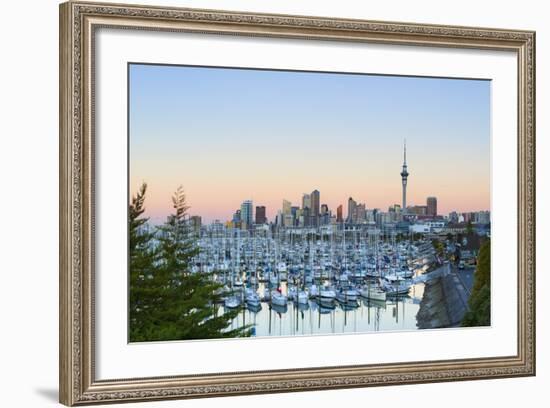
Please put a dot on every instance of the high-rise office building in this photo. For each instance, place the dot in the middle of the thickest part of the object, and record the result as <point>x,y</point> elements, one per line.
<point>324,217</point>
<point>288,219</point>
<point>295,211</point>
<point>339,215</point>
<point>483,217</point>
<point>453,216</point>
<point>431,203</point>
<point>237,216</point>
<point>236,221</point>
<point>371,215</point>
<point>247,215</point>
<point>315,209</point>
<point>260,215</point>
<point>418,209</point>
<point>468,217</point>
<point>352,205</point>
<point>360,213</point>
<point>395,212</point>
<point>306,217</point>
<point>299,217</point>
<point>195,221</point>
<point>287,205</point>
<point>279,218</point>
<point>315,202</point>
<point>306,201</point>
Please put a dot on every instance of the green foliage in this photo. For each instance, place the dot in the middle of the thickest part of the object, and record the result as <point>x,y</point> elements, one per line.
<point>171,302</point>
<point>480,298</point>
<point>142,255</point>
<point>439,247</point>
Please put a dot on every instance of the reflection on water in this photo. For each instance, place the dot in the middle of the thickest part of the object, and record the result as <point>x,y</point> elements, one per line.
<point>325,318</point>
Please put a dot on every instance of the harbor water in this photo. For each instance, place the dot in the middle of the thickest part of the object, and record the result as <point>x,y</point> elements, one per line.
<point>366,315</point>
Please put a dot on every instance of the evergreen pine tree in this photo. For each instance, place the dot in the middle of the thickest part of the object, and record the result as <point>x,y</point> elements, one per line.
<point>186,303</point>
<point>142,255</point>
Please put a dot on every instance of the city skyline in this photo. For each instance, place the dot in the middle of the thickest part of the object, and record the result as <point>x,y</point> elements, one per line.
<point>325,143</point>
<point>248,210</point>
<point>426,211</point>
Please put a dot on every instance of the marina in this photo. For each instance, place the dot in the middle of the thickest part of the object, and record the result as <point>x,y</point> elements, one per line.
<point>318,280</point>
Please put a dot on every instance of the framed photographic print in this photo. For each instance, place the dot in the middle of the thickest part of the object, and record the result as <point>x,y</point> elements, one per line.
<point>256,203</point>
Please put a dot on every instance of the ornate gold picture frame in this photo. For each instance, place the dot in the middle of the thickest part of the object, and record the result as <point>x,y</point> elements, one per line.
<point>78,24</point>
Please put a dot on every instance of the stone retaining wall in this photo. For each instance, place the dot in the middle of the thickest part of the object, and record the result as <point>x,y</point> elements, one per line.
<point>444,303</point>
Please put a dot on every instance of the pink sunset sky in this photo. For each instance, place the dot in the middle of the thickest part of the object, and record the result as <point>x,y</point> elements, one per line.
<point>228,135</point>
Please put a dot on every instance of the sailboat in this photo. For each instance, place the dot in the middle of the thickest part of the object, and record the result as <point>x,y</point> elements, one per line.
<point>346,296</point>
<point>374,292</point>
<point>396,289</point>
<point>232,302</point>
<point>251,297</point>
<point>302,298</point>
<point>278,299</point>
<point>327,293</point>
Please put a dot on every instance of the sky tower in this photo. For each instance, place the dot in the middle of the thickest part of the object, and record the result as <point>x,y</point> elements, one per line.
<point>404,175</point>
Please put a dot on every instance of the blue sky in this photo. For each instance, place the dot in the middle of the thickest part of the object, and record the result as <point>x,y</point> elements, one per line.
<point>227,135</point>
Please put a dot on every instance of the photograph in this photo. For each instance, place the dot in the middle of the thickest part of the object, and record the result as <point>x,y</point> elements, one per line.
<point>270,200</point>
<point>291,203</point>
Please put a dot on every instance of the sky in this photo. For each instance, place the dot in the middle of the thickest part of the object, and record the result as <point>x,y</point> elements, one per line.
<point>227,135</point>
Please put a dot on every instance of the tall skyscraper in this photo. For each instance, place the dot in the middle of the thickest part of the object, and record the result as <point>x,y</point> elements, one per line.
<point>306,201</point>
<point>260,215</point>
<point>325,215</point>
<point>431,203</point>
<point>360,213</point>
<point>247,215</point>
<point>404,175</point>
<point>339,215</point>
<point>286,207</point>
<point>288,220</point>
<point>352,205</point>
<point>296,212</point>
<point>315,207</point>
<point>315,200</point>
<point>306,217</point>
